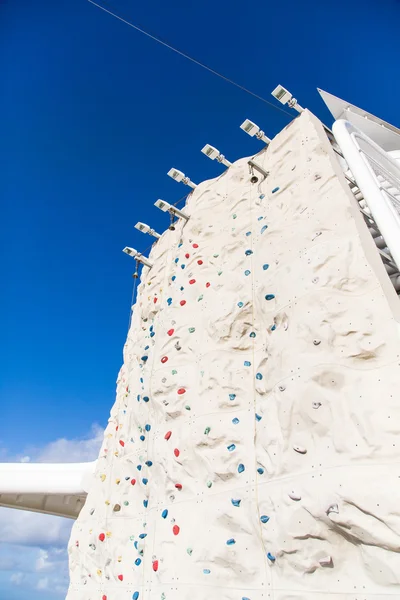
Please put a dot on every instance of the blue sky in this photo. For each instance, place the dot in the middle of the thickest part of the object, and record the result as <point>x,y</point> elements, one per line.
<point>93,116</point>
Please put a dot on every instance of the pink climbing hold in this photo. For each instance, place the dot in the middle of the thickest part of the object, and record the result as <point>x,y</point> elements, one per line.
<point>181,391</point>
<point>122,443</point>
<point>195,245</point>
<point>176,452</point>
<point>133,481</point>
<point>192,281</point>
<point>182,302</point>
<point>170,332</point>
<point>176,529</point>
<point>121,577</point>
<point>155,565</point>
<point>164,359</point>
<point>187,255</point>
<point>178,486</point>
<point>102,537</point>
<point>168,435</point>
<point>199,262</point>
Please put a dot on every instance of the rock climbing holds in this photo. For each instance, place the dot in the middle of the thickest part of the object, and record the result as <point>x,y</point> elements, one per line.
<point>206,571</point>
<point>240,304</point>
<point>264,519</point>
<point>259,376</point>
<point>121,577</point>
<point>199,262</point>
<point>266,266</point>
<point>230,542</point>
<point>241,468</point>
<point>294,496</point>
<point>167,435</point>
<point>102,537</point>
<point>155,566</point>
<point>269,297</point>
<point>248,252</point>
<point>176,529</point>
<point>300,449</point>
<point>178,486</point>
<point>133,481</point>
<point>164,359</point>
<point>232,396</point>
<point>235,421</point>
<point>271,557</point>
<point>207,430</point>
<point>182,302</point>
<point>247,272</point>
<point>170,332</point>
<point>164,513</point>
<point>235,502</point>
<point>181,391</point>
<point>275,190</point>
<point>231,447</point>
<point>316,404</point>
<point>176,452</point>
<point>247,363</point>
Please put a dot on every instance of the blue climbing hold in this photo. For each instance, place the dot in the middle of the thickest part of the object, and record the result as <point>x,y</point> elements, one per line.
<point>248,233</point>
<point>142,536</point>
<point>247,363</point>
<point>258,417</point>
<point>248,252</point>
<point>152,334</point>
<point>147,347</point>
<point>260,218</point>
<point>135,595</point>
<point>263,228</point>
<point>139,467</point>
<point>230,542</point>
<point>138,561</point>
<point>145,481</point>
<point>144,358</point>
<point>164,513</point>
<point>176,260</point>
<point>136,545</point>
<point>247,272</point>
<point>275,190</point>
<point>264,519</point>
<point>182,266</point>
<point>138,397</point>
<point>240,468</point>
<point>169,301</point>
<point>231,447</point>
<point>235,502</point>
<point>269,297</point>
<point>206,571</point>
<point>259,376</point>
<point>173,277</point>
<point>273,327</point>
<point>179,245</point>
<point>266,266</point>
<point>262,196</point>
<point>235,421</point>
<point>147,427</point>
<point>271,557</point>
<point>260,470</point>
<point>232,396</point>
<point>252,334</point>
<point>145,398</point>
<point>151,327</point>
<point>142,438</point>
<point>145,503</point>
<point>149,463</point>
<point>240,304</point>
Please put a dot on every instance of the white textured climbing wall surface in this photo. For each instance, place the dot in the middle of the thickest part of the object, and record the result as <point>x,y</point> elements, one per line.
<point>253,449</point>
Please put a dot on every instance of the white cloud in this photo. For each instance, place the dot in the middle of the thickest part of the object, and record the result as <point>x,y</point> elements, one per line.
<point>34,546</point>
<point>17,578</point>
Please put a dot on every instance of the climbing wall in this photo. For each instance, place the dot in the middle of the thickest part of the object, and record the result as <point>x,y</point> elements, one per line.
<point>253,448</point>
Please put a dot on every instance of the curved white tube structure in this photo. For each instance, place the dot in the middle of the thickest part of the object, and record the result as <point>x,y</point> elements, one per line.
<point>377,175</point>
<point>57,489</point>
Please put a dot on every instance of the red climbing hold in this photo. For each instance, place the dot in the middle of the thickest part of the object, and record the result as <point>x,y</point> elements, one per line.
<point>182,302</point>
<point>199,262</point>
<point>208,284</point>
<point>176,529</point>
<point>104,597</point>
<point>181,391</point>
<point>102,537</point>
<point>133,481</point>
<point>187,255</point>
<point>176,452</point>
<point>178,486</point>
<point>192,281</point>
<point>121,577</point>
<point>164,359</point>
<point>117,427</point>
<point>122,443</point>
<point>170,332</point>
<point>168,435</point>
<point>155,565</point>
<point>155,300</point>
<point>195,245</point>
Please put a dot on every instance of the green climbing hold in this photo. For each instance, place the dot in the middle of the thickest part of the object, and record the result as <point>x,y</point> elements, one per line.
<point>126,503</point>
<point>207,430</point>
<point>192,329</point>
<point>189,551</point>
<point>174,372</point>
<point>215,255</point>
<point>200,298</point>
<point>187,407</point>
<point>219,272</point>
<point>234,216</point>
<point>209,484</point>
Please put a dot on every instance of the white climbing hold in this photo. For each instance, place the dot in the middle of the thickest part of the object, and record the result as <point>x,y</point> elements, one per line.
<point>316,404</point>
<point>300,449</point>
<point>281,388</point>
<point>293,496</point>
<point>326,561</point>
<point>333,508</point>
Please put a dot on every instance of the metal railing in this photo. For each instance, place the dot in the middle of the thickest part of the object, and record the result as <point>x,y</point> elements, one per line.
<point>377,176</point>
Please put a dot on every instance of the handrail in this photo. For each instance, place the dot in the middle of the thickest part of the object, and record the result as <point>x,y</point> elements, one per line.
<point>377,176</point>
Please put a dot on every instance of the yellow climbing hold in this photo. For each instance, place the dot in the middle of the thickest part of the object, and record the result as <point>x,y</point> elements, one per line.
<point>102,477</point>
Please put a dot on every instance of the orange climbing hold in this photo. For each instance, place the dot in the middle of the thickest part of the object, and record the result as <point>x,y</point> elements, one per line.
<point>168,435</point>
<point>176,529</point>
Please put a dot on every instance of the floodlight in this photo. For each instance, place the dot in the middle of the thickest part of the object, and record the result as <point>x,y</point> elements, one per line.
<point>165,207</point>
<point>147,229</point>
<point>137,256</point>
<point>285,97</point>
<point>253,130</point>
<point>179,176</point>
<point>213,153</point>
